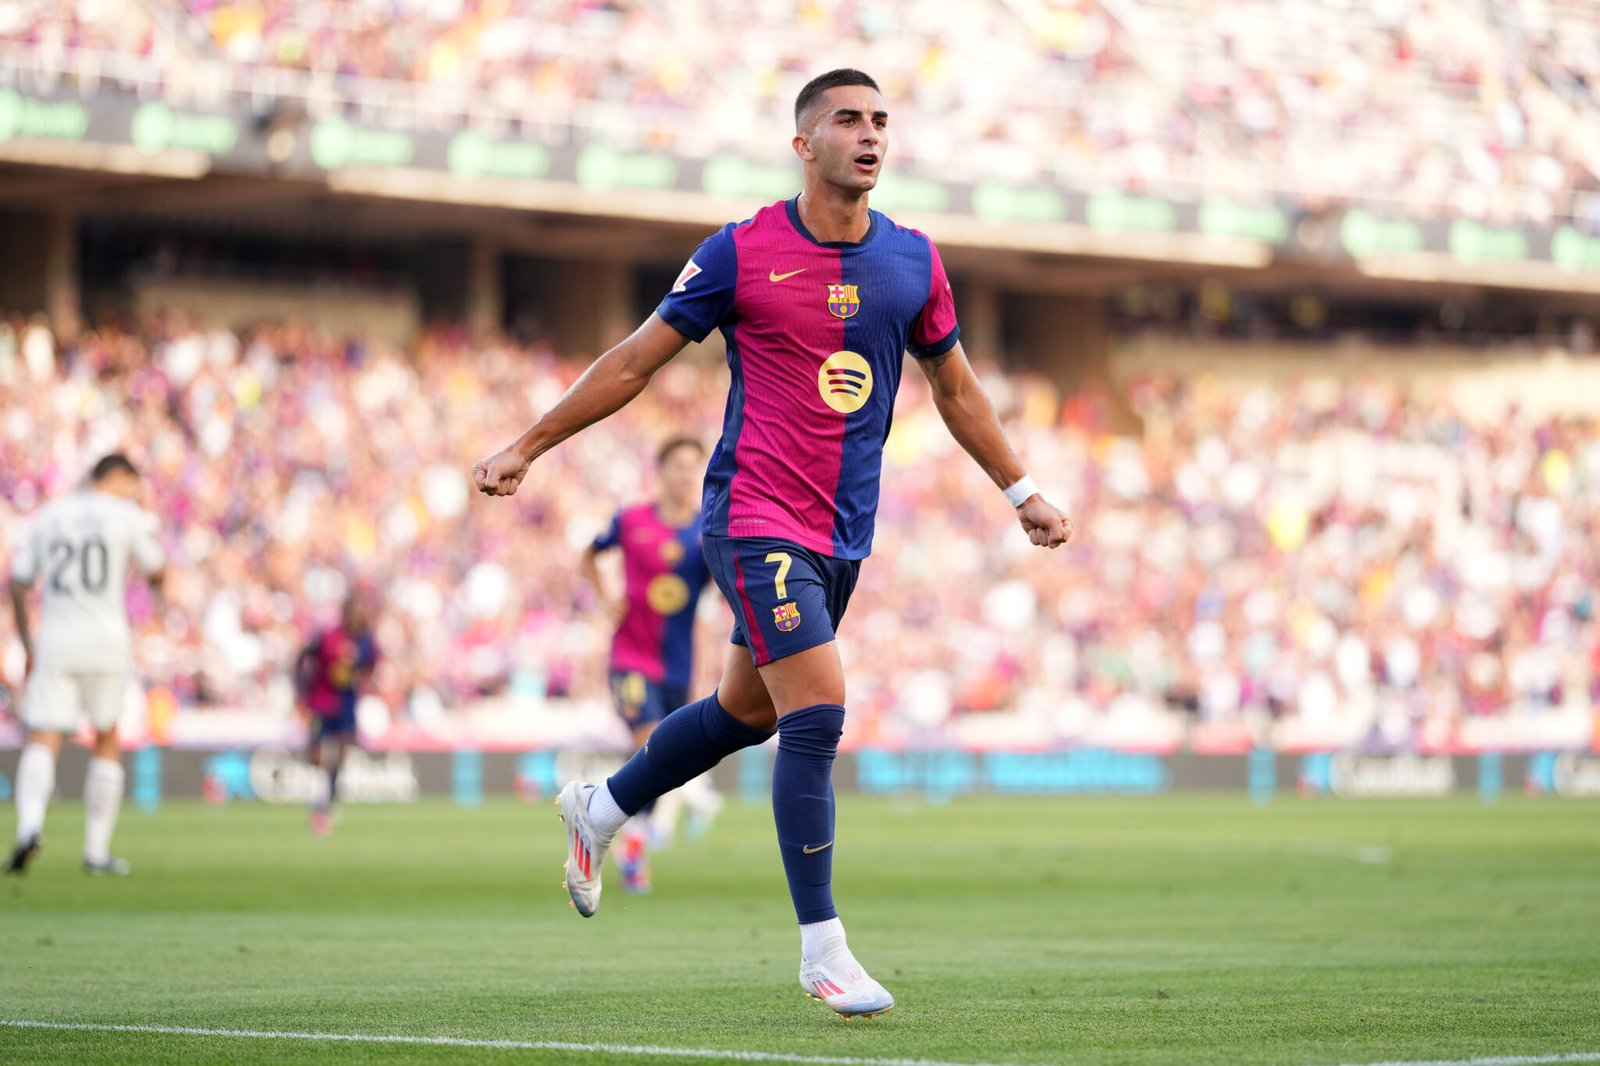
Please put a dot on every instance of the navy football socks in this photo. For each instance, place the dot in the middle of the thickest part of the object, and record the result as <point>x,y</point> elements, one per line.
<point>802,806</point>
<point>687,743</point>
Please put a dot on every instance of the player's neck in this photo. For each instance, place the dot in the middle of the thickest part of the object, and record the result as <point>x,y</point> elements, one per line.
<point>680,515</point>
<point>831,214</point>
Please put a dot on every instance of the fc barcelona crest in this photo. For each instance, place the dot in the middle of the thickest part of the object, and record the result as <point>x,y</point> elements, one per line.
<point>843,300</point>
<point>786,617</point>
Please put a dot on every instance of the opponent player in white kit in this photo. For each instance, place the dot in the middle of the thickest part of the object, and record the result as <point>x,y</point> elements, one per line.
<point>79,548</point>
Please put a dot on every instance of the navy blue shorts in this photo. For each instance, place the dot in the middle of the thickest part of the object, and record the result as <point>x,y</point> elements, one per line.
<point>641,701</point>
<point>785,598</point>
<point>341,723</point>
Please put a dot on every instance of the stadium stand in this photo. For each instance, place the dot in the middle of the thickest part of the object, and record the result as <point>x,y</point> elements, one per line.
<point>1351,561</point>
<point>1403,104</point>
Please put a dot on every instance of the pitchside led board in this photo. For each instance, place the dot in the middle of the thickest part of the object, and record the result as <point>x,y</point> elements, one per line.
<point>275,775</point>
<point>237,142</point>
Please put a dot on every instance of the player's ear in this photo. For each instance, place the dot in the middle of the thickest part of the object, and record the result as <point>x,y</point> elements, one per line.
<point>802,147</point>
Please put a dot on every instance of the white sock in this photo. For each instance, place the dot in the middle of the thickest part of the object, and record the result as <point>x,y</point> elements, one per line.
<point>664,822</point>
<point>321,790</point>
<point>604,812</point>
<point>36,779</point>
<point>819,938</point>
<point>102,799</point>
<point>702,797</point>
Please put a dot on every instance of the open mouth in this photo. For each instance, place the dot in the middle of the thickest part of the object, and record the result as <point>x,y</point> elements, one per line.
<point>867,160</point>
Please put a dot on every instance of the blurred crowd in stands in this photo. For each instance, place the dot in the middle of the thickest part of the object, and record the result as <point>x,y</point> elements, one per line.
<point>1484,110</point>
<point>1306,563</point>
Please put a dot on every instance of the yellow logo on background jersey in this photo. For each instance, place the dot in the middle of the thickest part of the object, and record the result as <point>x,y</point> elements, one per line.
<point>843,300</point>
<point>845,382</point>
<point>671,551</point>
<point>630,691</point>
<point>667,594</point>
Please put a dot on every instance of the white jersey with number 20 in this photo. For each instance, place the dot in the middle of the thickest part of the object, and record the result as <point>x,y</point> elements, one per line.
<point>78,548</point>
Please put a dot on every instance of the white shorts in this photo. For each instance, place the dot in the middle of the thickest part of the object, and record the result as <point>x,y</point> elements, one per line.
<point>55,699</point>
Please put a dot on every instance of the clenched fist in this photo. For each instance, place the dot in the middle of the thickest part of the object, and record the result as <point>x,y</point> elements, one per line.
<point>1046,525</point>
<point>501,473</point>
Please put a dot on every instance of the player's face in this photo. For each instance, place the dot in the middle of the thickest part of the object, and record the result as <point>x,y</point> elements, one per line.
<point>680,477</point>
<point>357,615</point>
<point>119,483</point>
<point>847,138</point>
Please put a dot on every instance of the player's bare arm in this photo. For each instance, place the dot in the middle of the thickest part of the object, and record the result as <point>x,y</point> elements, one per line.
<point>608,386</point>
<point>19,614</point>
<point>589,569</point>
<point>966,410</point>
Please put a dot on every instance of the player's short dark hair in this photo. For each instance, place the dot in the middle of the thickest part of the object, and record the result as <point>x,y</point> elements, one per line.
<point>115,463</point>
<point>672,444</point>
<point>822,83</point>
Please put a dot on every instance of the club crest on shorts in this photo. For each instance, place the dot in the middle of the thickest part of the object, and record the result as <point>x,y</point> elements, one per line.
<point>843,300</point>
<point>786,616</point>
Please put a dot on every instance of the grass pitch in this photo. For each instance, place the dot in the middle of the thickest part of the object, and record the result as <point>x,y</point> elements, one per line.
<point>1191,929</point>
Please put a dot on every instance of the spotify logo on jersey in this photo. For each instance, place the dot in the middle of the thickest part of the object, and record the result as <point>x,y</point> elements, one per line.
<point>667,594</point>
<point>845,382</point>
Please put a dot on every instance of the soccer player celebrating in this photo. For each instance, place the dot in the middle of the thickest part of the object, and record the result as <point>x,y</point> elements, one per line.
<point>81,545</point>
<point>334,665</point>
<point>664,571</point>
<point>818,299</point>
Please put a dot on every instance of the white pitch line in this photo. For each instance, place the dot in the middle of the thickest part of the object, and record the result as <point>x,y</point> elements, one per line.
<point>1496,1060</point>
<point>668,1052</point>
<point>507,1045</point>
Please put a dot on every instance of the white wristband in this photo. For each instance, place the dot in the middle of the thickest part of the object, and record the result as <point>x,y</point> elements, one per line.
<point>1018,493</point>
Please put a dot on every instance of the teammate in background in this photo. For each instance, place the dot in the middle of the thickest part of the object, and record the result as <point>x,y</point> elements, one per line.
<point>819,298</point>
<point>652,654</point>
<point>80,546</point>
<point>330,672</point>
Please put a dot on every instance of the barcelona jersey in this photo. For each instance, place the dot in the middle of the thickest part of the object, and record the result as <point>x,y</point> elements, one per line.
<point>816,335</point>
<point>664,571</point>
<point>338,659</point>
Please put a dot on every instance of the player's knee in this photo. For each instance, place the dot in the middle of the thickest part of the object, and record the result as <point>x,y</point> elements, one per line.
<point>812,730</point>
<point>743,695</point>
<point>46,739</point>
<point>756,713</point>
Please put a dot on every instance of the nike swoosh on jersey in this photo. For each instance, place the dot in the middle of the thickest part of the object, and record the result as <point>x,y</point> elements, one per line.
<point>807,849</point>
<point>773,275</point>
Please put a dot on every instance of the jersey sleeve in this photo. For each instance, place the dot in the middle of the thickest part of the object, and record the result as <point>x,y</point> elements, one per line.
<point>936,330</point>
<point>147,551</point>
<point>611,537</point>
<point>25,557</point>
<point>702,298</point>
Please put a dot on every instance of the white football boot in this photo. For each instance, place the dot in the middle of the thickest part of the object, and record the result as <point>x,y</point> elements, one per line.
<point>586,848</point>
<point>839,981</point>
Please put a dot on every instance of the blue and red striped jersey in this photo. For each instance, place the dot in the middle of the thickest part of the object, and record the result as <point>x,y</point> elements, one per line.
<point>816,334</point>
<point>664,571</point>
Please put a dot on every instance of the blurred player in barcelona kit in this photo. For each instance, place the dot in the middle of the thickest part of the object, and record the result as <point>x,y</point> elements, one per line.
<point>332,669</point>
<point>79,549</point>
<point>652,654</point>
<point>818,298</point>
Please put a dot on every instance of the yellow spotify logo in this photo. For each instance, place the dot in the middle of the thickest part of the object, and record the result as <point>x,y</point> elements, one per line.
<point>667,594</point>
<point>845,382</point>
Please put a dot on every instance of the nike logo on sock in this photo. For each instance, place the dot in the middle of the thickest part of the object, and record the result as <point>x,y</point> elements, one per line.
<point>773,275</point>
<point>807,849</point>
